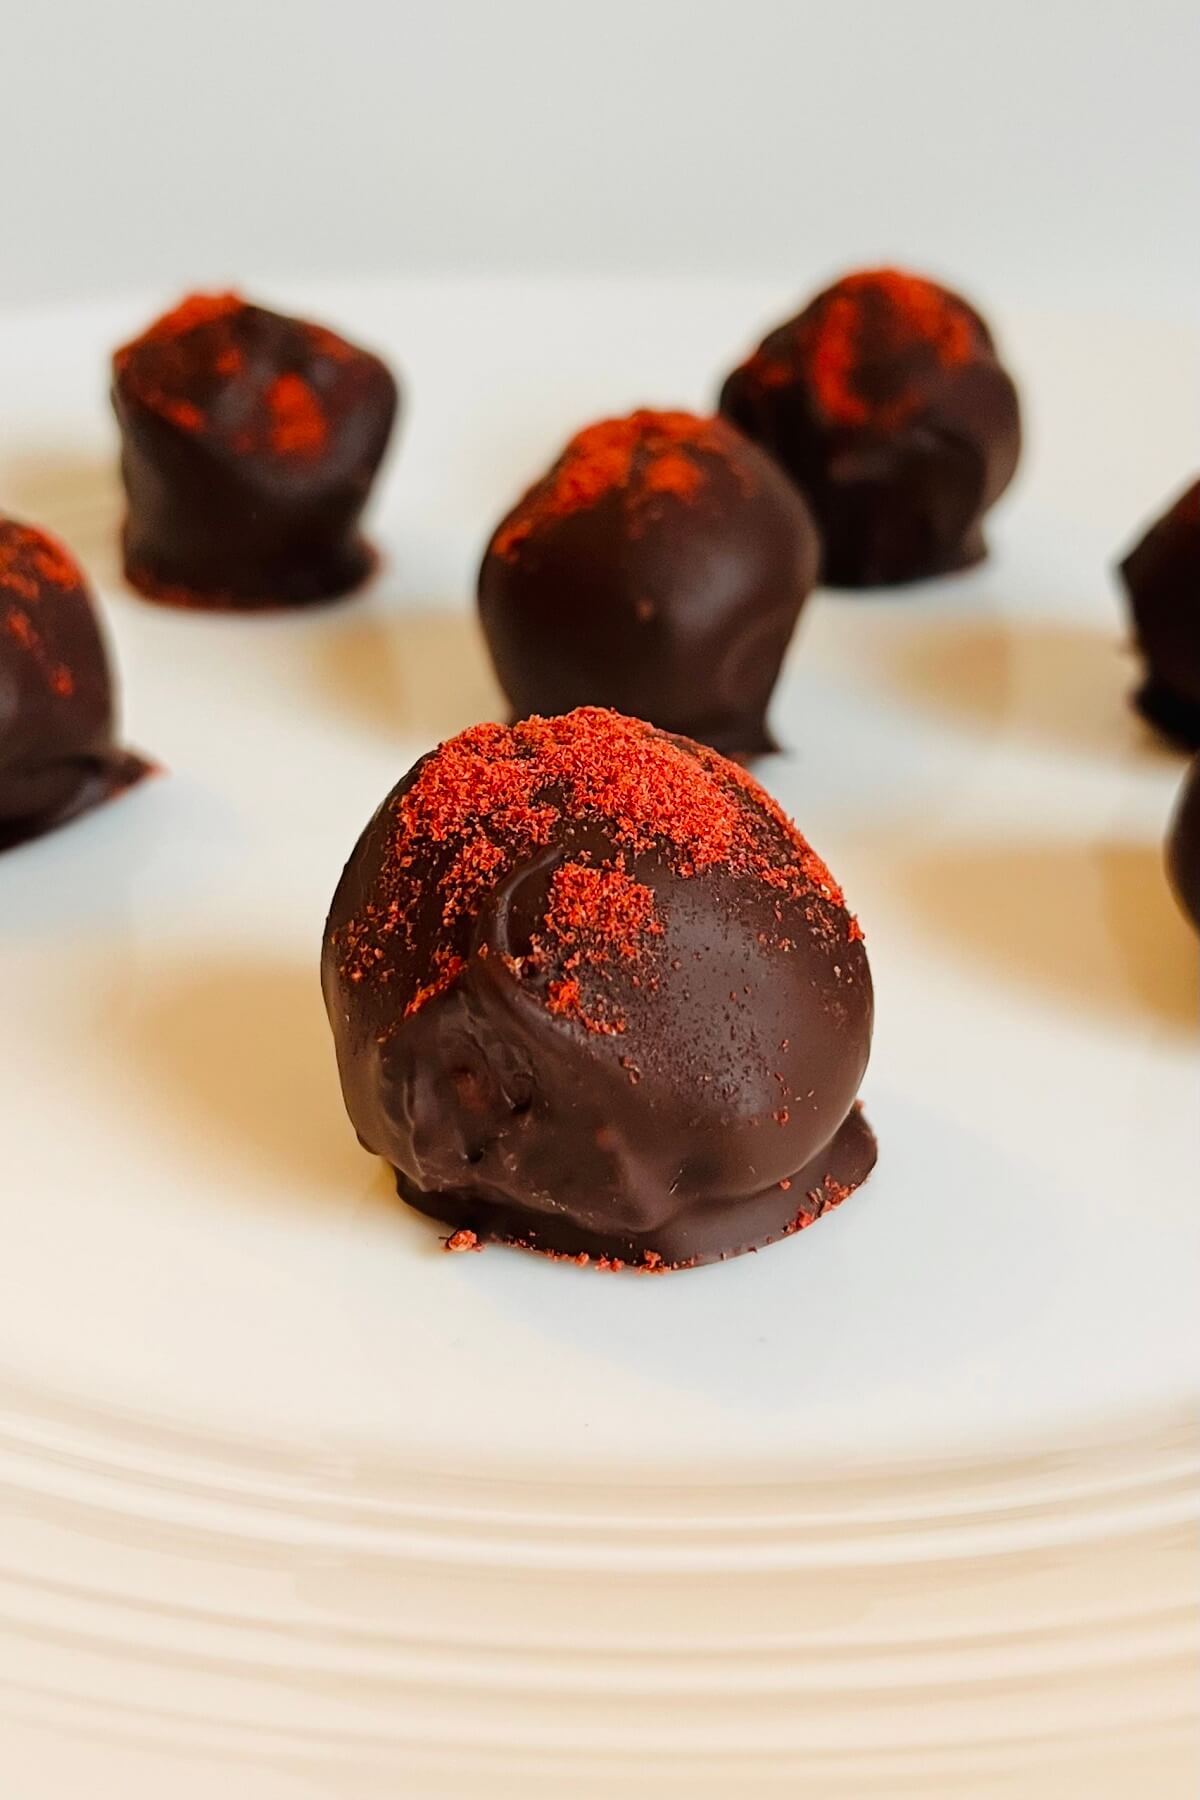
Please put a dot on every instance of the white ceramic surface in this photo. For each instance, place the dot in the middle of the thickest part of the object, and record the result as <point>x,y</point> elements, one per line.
<point>296,1503</point>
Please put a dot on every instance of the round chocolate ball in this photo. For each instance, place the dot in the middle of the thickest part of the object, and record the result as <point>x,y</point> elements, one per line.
<point>57,752</point>
<point>1162,579</point>
<point>593,994</point>
<point>658,568</point>
<point>886,404</point>
<point>249,442</point>
<point>1183,845</point>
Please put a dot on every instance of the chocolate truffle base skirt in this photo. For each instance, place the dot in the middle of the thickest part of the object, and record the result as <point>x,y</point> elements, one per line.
<point>314,575</point>
<point>848,565</point>
<point>100,778</point>
<point>701,1236</point>
<point>1177,717</point>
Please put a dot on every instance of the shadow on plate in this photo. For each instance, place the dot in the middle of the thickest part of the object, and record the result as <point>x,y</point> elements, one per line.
<point>1058,681</point>
<point>1093,925</point>
<point>422,674</point>
<point>77,497</point>
<point>236,1055</point>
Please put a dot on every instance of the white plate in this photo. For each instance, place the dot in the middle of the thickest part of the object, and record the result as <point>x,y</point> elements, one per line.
<point>901,1500</point>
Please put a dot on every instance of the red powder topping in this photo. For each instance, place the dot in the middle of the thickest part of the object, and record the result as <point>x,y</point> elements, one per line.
<point>162,368</point>
<point>196,310</point>
<point>645,456</point>
<point>182,365</point>
<point>28,559</point>
<point>846,346</point>
<point>30,563</point>
<point>180,412</point>
<point>595,914</point>
<point>486,799</point>
<point>604,909</point>
<point>298,425</point>
<point>19,626</point>
<point>450,967</point>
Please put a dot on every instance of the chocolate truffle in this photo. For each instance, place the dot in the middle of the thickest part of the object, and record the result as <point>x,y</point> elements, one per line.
<point>57,754</point>
<point>1162,580</point>
<point>884,401</point>
<point>249,444</point>
<point>659,568</point>
<point>1183,845</point>
<point>593,994</point>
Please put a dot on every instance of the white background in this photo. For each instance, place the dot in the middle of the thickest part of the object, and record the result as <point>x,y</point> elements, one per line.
<point>1042,151</point>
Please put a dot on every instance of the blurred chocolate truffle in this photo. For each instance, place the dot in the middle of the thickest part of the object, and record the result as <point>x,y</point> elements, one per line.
<point>886,404</point>
<point>57,752</point>
<point>1183,845</point>
<point>249,444</point>
<point>593,994</point>
<point>1162,579</point>
<point>659,568</point>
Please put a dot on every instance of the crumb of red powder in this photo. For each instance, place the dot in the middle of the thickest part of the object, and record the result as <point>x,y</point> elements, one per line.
<point>448,973</point>
<point>821,1200</point>
<point>460,1241</point>
<point>298,424</point>
<point>645,456</point>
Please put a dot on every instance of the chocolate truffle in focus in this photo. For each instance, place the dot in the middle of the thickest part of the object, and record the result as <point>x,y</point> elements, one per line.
<point>658,568</point>
<point>1183,845</point>
<point>593,994</point>
<point>249,444</point>
<point>57,754</point>
<point>886,404</point>
<point>1162,579</point>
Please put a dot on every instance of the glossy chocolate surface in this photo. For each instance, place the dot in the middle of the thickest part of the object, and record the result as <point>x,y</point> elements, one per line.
<point>57,752</point>
<point>886,404</point>
<point>249,442</point>
<point>659,568</point>
<point>1183,845</point>
<point>1162,580</point>
<point>570,1029</point>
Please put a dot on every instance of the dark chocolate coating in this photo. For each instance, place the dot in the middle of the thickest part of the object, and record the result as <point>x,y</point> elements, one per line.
<point>901,435</point>
<point>249,444</point>
<point>1162,579</point>
<point>1183,845</point>
<point>57,754</point>
<point>717,1114</point>
<point>671,606</point>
